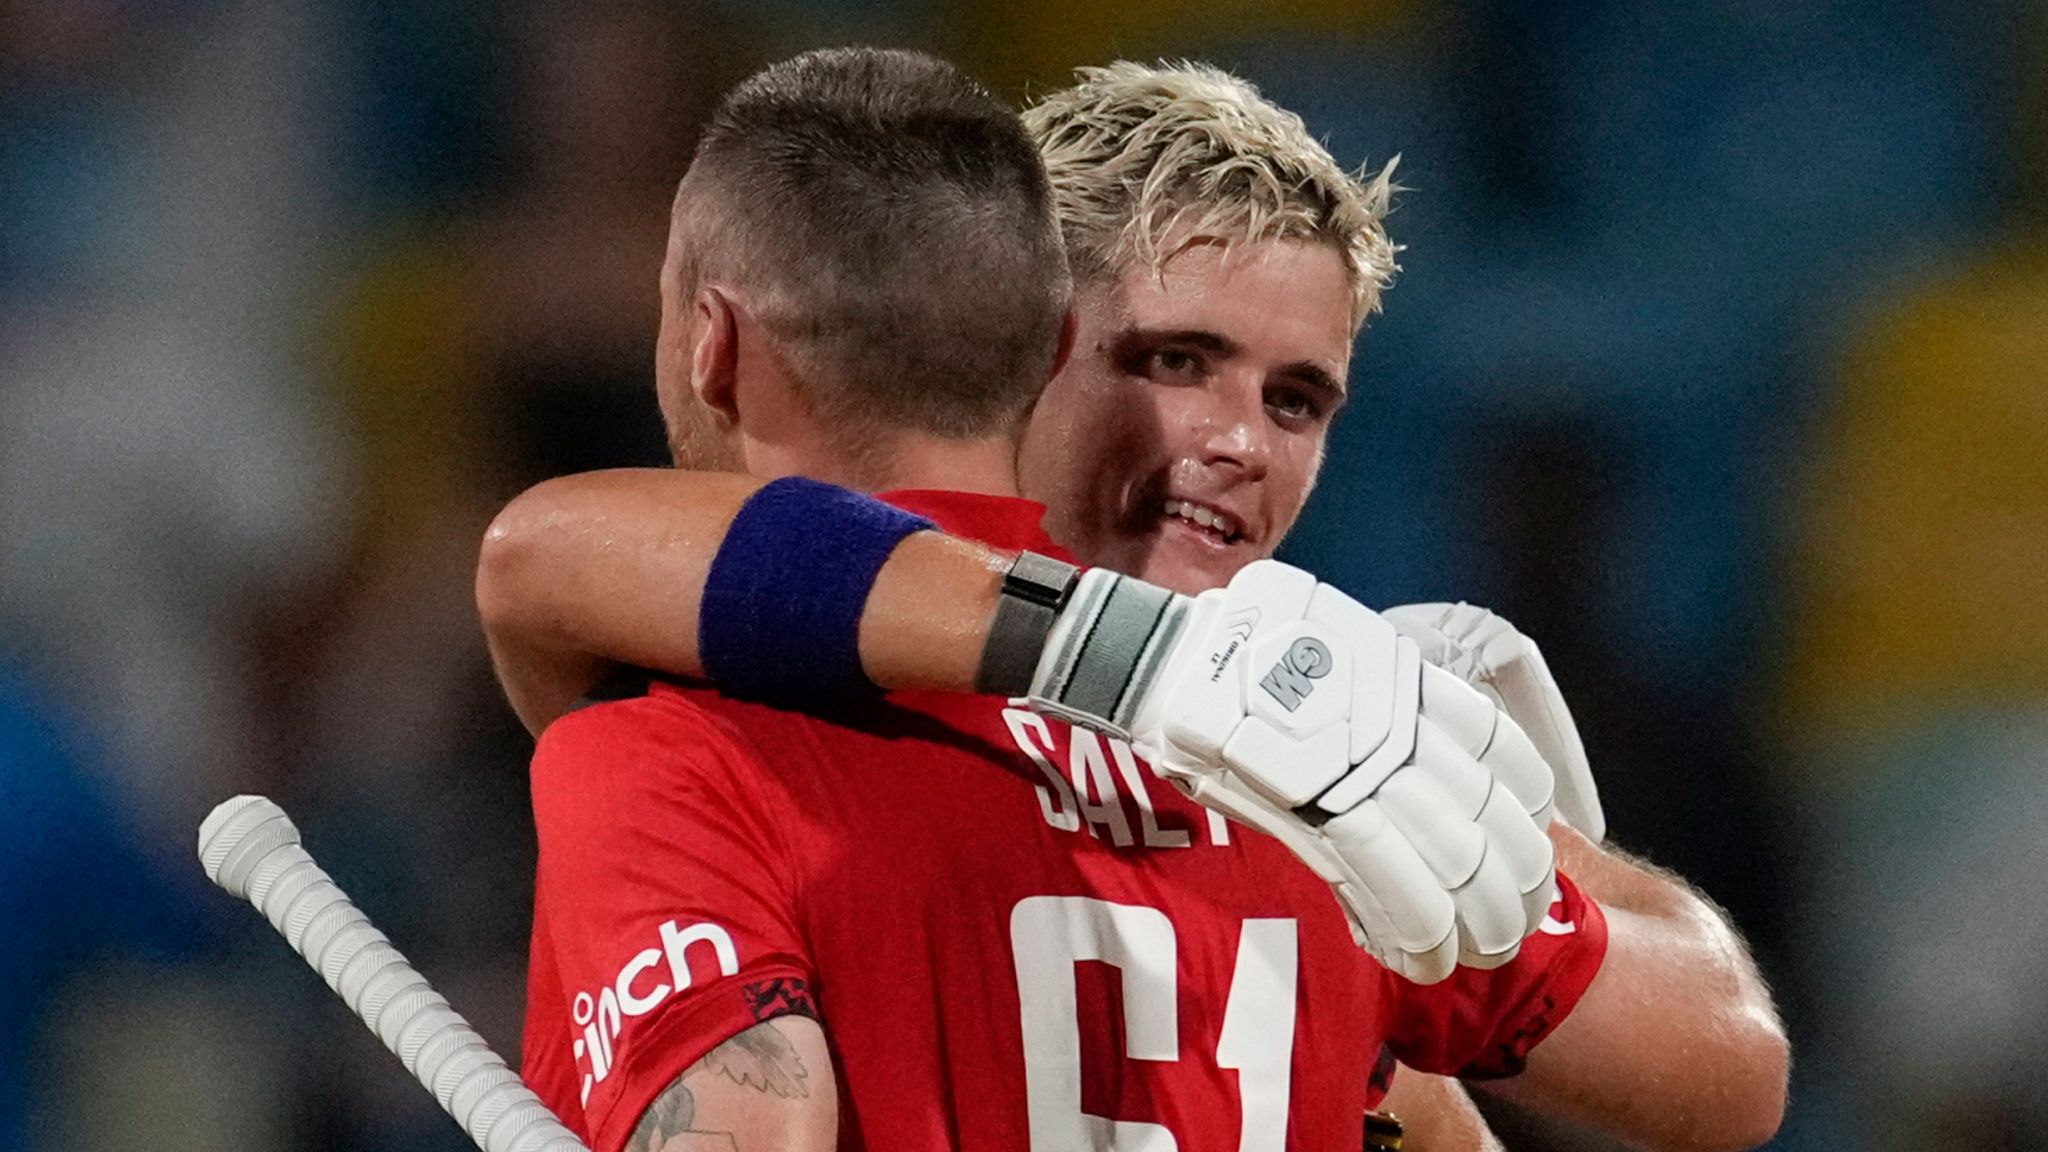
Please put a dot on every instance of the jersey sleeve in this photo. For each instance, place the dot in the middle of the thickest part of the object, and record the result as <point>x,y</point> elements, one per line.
<point>546,1058</point>
<point>1481,1024</point>
<point>670,897</point>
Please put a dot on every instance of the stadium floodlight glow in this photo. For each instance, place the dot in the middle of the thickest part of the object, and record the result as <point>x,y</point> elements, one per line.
<point>251,848</point>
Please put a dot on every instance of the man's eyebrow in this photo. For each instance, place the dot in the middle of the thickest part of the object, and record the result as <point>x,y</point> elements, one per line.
<point>1203,338</point>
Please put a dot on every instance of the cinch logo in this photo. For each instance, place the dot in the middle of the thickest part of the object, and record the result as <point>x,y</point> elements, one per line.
<point>1291,680</point>
<point>631,993</point>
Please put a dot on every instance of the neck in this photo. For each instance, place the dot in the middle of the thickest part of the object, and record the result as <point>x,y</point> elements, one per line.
<point>909,460</point>
<point>988,467</point>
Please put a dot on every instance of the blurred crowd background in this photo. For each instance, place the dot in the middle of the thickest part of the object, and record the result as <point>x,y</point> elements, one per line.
<point>1719,364</point>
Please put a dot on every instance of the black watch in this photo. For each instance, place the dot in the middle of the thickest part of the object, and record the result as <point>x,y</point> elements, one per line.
<point>1034,590</point>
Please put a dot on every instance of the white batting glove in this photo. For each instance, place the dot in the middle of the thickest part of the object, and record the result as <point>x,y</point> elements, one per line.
<point>1492,656</point>
<point>1292,708</point>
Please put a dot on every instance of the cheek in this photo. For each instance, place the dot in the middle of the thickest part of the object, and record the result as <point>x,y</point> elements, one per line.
<point>1181,418</point>
<point>1110,425</point>
<point>1070,456</point>
<point>1139,419</point>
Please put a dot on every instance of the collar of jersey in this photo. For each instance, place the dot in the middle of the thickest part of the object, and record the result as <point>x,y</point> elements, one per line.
<point>1000,521</point>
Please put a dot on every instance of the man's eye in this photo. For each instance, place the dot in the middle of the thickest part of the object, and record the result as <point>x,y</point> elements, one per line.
<point>1176,362</point>
<point>1293,404</point>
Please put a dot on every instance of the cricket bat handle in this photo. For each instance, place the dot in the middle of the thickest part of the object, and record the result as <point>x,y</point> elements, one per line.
<point>251,848</point>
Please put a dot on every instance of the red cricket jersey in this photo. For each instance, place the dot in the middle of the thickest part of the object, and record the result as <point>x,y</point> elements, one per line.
<point>1018,939</point>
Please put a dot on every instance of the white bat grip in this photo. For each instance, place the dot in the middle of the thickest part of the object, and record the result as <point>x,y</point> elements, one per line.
<point>251,848</point>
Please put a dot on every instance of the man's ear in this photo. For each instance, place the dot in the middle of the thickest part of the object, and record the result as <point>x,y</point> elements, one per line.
<point>1070,328</point>
<point>714,361</point>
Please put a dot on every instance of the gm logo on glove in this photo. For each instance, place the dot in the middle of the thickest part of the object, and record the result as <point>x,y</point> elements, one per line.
<point>1292,678</point>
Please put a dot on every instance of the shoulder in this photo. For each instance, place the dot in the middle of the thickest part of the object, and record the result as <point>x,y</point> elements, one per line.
<point>637,738</point>
<point>646,777</point>
<point>638,711</point>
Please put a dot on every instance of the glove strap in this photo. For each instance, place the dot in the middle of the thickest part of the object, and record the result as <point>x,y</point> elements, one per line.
<point>1106,649</point>
<point>1034,590</point>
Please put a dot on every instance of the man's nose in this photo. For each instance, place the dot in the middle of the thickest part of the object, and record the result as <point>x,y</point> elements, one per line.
<point>1235,431</point>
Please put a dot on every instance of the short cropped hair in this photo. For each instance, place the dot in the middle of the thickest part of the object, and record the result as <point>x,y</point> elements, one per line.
<point>890,223</point>
<point>1143,157</point>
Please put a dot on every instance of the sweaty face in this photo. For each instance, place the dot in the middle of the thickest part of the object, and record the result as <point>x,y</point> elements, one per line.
<point>1182,438</point>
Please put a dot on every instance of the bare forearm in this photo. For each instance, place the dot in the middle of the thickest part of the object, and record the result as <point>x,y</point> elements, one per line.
<point>596,568</point>
<point>609,568</point>
<point>1437,1114</point>
<point>1676,1045</point>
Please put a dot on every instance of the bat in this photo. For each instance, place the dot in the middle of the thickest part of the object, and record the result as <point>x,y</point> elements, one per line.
<point>251,848</point>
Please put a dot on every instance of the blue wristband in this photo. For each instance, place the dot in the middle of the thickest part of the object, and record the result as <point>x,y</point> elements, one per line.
<point>780,621</point>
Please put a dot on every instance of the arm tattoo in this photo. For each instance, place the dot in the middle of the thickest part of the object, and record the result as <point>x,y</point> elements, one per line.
<point>761,1058</point>
<point>669,1125</point>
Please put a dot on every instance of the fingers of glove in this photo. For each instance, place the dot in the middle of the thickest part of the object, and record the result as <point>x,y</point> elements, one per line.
<point>1530,695</point>
<point>1423,623</point>
<point>1492,917</point>
<point>1473,722</point>
<point>1432,967</point>
<point>1523,849</point>
<point>1472,627</point>
<point>1464,713</point>
<point>1418,909</point>
<point>1369,924</point>
<point>1493,641</point>
<point>1578,805</point>
<point>1240,803</point>
<point>1467,781</point>
<point>1452,644</point>
<point>1429,967</point>
<point>1430,818</point>
<point>1514,761</point>
<point>1533,701</point>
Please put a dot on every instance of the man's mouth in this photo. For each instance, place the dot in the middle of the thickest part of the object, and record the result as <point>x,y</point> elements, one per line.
<point>1215,522</point>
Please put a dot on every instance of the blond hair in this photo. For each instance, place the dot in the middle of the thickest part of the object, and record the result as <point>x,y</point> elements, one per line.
<point>1143,158</point>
